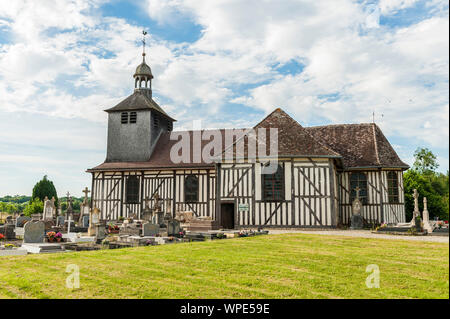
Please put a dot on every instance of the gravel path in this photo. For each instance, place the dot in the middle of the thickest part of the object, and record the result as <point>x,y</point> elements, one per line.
<point>365,234</point>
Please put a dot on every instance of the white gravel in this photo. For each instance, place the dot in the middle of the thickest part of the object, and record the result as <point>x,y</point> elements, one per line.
<point>364,234</point>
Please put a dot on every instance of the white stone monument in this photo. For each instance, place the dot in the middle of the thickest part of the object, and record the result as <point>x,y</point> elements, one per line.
<point>94,219</point>
<point>426,217</point>
<point>49,208</point>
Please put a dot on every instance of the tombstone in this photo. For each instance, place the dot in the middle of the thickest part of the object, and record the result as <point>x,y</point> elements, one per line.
<point>100,232</point>
<point>94,219</point>
<point>416,212</point>
<point>8,230</point>
<point>35,216</point>
<point>9,220</point>
<point>85,221</point>
<point>60,220</point>
<point>426,217</point>
<point>34,232</point>
<point>21,220</point>
<point>149,229</point>
<point>84,207</point>
<point>147,211</point>
<point>49,208</point>
<point>357,221</point>
<point>173,227</point>
<point>69,210</point>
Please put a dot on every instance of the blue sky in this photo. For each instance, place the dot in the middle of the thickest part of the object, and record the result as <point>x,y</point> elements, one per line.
<point>228,63</point>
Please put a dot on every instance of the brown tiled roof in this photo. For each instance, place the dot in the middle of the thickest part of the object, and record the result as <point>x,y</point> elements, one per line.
<point>161,155</point>
<point>139,100</point>
<point>293,139</point>
<point>356,145</point>
<point>361,145</point>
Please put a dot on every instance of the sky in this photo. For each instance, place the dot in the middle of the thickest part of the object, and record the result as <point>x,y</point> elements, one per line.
<point>226,62</point>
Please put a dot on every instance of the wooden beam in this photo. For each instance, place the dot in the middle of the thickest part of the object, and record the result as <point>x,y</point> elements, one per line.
<point>238,181</point>
<point>273,213</point>
<point>310,182</point>
<point>312,211</point>
<point>332,193</point>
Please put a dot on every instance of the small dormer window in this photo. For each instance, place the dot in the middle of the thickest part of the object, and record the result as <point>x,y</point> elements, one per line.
<point>133,117</point>
<point>124,118</point>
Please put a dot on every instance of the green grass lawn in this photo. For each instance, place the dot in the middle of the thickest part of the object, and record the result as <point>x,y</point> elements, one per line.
<point>274,266</point>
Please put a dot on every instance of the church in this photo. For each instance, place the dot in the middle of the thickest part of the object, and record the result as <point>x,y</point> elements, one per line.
<point>311,184</point>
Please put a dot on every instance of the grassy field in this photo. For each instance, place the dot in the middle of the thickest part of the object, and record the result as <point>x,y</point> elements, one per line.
<point>275,266</point>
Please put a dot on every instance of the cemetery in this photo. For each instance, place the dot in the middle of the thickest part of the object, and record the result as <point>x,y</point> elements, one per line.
<point>52,231</point>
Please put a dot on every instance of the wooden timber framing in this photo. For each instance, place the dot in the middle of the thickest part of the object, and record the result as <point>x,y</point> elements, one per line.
<point>109,192</point>
<point>317,194</point>
<point>308,200</point>
<point>377,209</point>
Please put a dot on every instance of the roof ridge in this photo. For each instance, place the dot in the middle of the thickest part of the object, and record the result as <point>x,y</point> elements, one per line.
<point>377,156</point>
<point>344,124</point>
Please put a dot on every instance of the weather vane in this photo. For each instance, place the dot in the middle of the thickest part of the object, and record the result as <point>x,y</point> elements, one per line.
<point>144,33</point>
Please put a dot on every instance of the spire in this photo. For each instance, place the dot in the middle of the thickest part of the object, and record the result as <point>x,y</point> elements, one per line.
<point>143,75</point>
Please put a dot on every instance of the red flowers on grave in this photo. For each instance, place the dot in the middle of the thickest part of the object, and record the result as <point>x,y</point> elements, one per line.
<point>2,236</point>
<point>51,236</point>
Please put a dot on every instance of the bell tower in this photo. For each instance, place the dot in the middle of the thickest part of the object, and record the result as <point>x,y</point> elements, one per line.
<point>143,75</point>
<point>136,123</point>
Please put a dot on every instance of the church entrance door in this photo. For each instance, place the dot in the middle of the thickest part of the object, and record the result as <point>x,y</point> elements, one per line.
<point>227,215</point>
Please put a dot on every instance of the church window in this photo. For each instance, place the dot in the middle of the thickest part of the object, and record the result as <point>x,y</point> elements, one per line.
<point>133,117</point>
<point>191,189</point>
<point>132,189</point>
<point>273,185</point>
<point>169,126</point>
<point>392,187</point>
<point>358,179</point>
<point>124,118</point>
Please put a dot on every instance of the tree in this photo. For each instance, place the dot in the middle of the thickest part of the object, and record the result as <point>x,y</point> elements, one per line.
<point>425,161</point>
<point>430,184</point>
<point>35,206</point>
<point>44,188</point>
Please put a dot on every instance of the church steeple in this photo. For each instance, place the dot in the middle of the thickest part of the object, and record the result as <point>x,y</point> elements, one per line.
<point>143,75</point>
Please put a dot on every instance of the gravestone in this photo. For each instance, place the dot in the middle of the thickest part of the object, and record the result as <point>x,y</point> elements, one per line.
<point>85,221</point>
<point>49,208</point>
<point>357,221</point>
<point>8,230</point>
<point>34,232</point>
<point>21,220</point>
<point>100,232</point>
<point>60,221</point>
<point>9,220</point>
<point>84,207</point>
<point>426,217</point>
<point>416,212</point>
<point>94,219</point>
<point>69,210</point>
<point>173,227</point>
<point>149,229</point>
<point>147,212</point>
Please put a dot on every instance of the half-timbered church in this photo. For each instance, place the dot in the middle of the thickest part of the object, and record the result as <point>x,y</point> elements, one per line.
<point>313,185</point>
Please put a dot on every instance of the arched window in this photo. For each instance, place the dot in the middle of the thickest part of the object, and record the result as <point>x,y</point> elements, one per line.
<point>273,185</point>
<point>358,179</point>
<point>191,189</point>
<point>392,179</point>
<point>132,189</point>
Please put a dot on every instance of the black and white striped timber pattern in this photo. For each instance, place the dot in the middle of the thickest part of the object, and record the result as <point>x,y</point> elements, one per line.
<point>315,194</point>
<point>377,209</point>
